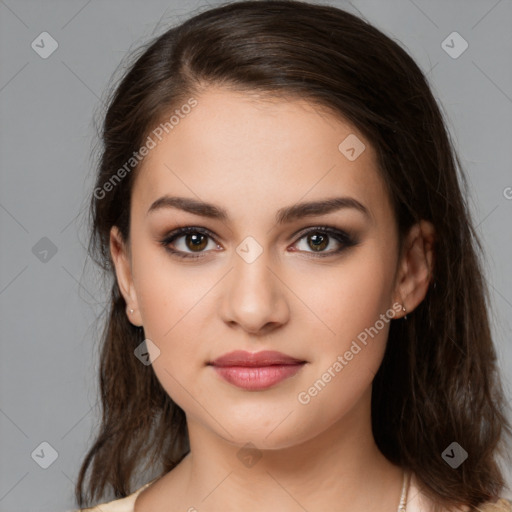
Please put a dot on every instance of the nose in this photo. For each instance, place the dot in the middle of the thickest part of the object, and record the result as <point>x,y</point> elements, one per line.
<point>255,297</point>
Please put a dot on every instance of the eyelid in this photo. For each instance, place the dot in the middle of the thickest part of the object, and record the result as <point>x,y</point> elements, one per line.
<point>327,228</point>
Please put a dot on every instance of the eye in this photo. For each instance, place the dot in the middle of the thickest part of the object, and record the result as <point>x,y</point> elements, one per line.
<point>320,238</point>
<point>195,241</point>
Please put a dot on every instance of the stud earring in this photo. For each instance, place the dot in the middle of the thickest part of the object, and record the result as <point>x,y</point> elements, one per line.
<point>405,311</point>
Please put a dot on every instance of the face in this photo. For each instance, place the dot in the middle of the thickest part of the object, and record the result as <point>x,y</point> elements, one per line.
<point>319,285</point>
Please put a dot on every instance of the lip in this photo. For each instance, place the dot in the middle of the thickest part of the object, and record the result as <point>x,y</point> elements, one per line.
<point>256,359</point>
<point>256,371</point>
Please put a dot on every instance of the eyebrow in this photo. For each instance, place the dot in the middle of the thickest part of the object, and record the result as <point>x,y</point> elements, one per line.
<point>283,215</point>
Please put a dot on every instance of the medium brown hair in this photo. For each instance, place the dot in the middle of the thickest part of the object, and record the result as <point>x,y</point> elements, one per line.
<point>438,382</point>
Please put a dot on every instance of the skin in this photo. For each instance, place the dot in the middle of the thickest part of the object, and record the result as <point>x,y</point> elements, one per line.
<point>253,156</point>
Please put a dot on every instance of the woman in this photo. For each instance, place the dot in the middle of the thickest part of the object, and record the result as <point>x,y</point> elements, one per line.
<point>298,314</point>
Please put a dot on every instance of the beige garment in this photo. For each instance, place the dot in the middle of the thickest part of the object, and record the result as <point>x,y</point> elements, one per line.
<point>121,505</point>
<point>127,504</point>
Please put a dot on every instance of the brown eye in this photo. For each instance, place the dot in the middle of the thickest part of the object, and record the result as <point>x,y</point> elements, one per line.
<point>315,241</point>
<point>196,241</point>
<point>188,242</point>
<point>318,241</point>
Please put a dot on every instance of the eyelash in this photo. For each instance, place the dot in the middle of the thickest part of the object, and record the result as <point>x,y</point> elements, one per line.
<point>342,237</point>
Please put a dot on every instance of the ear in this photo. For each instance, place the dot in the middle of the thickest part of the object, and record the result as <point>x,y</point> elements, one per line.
<point>122,263</point>
<point>415,267</point>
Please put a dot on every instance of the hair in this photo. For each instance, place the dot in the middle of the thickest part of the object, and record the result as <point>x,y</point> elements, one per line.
<point>438,382</point>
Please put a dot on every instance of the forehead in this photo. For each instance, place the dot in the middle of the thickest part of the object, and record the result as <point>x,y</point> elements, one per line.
<point>240,149</point>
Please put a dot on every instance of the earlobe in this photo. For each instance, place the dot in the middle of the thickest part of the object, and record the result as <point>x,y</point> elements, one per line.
<point>122,264</point>
<point>416,266</point>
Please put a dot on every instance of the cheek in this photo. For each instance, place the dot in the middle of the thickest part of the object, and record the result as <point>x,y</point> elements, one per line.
<point>349,300</point>
<point>348,347</point>
<point>171,306</point>
<point>166,291</point>
<point>169,299</point>
<point>349,297</point>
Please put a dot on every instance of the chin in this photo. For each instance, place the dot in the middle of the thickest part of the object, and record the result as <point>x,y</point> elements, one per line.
<point>273,435</point>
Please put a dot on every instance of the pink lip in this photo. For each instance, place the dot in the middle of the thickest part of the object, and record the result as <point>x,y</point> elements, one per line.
<point>254,372</point>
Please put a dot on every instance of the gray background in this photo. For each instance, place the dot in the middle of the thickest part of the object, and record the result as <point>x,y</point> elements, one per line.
<point>48,309</point>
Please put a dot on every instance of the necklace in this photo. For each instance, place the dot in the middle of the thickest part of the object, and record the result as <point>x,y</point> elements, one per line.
<point>405,488</point>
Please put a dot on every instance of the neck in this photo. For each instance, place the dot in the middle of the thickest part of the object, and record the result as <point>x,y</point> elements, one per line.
<point>340,468</point>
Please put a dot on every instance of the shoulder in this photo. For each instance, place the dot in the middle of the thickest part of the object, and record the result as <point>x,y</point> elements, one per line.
<point>121,505</point>
<point>502,505</point>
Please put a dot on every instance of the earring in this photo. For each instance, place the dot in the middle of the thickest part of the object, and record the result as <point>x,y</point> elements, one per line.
<point>404,310</point>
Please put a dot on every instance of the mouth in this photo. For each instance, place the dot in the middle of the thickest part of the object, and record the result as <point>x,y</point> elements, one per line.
<point>256,371</point>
